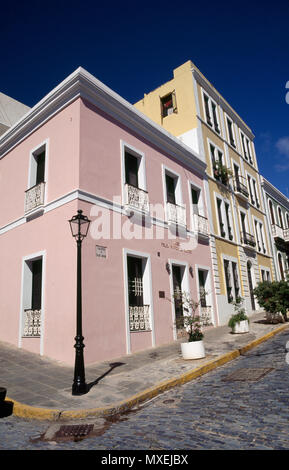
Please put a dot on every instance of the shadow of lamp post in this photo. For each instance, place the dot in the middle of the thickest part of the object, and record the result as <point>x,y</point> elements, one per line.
<point>79,225</point>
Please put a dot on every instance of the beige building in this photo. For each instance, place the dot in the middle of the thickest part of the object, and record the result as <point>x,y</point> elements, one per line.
<point>10,112</point>
<point>189,107</point>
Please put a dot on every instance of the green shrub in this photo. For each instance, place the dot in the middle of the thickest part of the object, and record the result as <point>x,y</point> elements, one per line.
<point>240,314</point>
<point>273,297</point>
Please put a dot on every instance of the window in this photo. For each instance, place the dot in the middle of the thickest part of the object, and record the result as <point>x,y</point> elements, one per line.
<point>32,297</point>
<point>195,200</point>
<point>131,169</point>
<point>262,237</point>
<point>231,132</point>
<point>135,195</point>
<point>249,150</point>
<point>280,217</point>
<point>171,188</point>
<point>228,280</point>
<point>168,104</point>
<point>227,211</point>
<point>220,217</point>
<point>246,238</point>
<point>35,194</point>
<point>236,280</point>
<point>255,193</point>
<point>37,166</point>
<point>271,212</point>
<point>175,210</point>
<point>251,190</point>
<point>217,159</point>
<point>281,269</point>
<point>244,146</point>
<point>231,274</point>
<point>224,216</point>
<point>138,293</point>
<point>211,113</point>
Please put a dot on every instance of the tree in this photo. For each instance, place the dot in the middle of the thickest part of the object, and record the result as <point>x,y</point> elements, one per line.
<point>273,297</point>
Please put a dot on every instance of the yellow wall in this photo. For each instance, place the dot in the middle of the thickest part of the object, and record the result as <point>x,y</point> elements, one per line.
<point>185,117</point>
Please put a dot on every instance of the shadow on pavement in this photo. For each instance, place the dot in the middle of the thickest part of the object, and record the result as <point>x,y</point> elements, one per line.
<point>113,365</point>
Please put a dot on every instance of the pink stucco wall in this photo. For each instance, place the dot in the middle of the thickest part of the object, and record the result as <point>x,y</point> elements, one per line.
<point>84,153</point>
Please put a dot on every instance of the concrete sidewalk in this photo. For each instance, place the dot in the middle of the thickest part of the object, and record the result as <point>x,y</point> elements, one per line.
<point>41,388</point>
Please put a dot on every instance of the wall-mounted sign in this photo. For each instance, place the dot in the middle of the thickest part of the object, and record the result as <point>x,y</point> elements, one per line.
<point>101,251</point>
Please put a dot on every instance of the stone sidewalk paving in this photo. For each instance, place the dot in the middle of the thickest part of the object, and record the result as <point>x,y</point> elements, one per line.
<point>41,388</point>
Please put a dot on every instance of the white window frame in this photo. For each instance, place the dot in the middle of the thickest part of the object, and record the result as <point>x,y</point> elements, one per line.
<point>142,164</point>
<point>185,287</point>
<point>208,287</point>
<point>26,290</point>
<point>201,207</point>
<point>216,149</point>
<point>210,101</point>
<point>147,293</point>
<point>231,260</point>
<point>224,216</point>
<point>227,118</point>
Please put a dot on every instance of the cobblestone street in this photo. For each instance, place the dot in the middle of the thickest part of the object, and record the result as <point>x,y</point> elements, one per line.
<point>221,410</point>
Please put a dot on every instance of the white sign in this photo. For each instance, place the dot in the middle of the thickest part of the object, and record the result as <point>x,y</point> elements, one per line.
<point>101,251</point>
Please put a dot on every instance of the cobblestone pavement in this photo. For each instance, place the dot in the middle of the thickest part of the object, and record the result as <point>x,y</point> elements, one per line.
<point>212,412</point>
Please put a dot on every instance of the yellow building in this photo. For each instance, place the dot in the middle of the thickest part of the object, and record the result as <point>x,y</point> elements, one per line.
<point>189,107</point>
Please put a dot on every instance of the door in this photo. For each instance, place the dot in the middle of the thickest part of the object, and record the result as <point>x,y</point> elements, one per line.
<point>177,286</point>
<point>250,283</point>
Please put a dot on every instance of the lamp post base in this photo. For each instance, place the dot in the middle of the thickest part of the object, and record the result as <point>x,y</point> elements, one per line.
<point>79,386</point>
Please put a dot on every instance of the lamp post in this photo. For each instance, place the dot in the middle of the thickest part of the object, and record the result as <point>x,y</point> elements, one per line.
<point>79,225</point>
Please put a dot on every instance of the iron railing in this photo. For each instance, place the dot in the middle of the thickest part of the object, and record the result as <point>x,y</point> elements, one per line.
<point>248,239</point>
<point>139,318</point>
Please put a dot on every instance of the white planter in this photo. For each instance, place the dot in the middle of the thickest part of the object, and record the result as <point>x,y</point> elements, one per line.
<point>193,350</point>
<point>242,327</point>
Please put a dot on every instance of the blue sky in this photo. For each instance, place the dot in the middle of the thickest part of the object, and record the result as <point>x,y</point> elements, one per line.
<point>243,49</point>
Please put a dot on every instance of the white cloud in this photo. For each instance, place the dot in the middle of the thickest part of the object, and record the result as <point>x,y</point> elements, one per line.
<point>282,146</point>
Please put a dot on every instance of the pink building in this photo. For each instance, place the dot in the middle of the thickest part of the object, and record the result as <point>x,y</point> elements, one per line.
<point>84,147</point>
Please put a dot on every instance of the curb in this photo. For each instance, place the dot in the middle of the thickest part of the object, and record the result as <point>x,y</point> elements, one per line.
<point>30,412</point>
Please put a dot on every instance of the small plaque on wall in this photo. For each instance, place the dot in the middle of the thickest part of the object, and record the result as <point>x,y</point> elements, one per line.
<point>161,294</point>
<point>101,251</point>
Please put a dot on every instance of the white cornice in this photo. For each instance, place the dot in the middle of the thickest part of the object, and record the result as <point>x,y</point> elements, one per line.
<point>81,84</point>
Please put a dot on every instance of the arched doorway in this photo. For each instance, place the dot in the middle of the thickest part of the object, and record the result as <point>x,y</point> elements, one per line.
<point>250,284</point>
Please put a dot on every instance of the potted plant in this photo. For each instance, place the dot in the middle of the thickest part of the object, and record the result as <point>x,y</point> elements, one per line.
<point>190,321</point>
<point>239,322</point>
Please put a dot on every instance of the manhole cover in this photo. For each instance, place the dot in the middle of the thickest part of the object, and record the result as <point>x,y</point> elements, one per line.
<point>248,375</point>
<point>74,430</point>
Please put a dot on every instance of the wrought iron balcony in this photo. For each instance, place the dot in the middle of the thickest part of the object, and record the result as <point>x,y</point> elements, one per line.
<point>286,235</point>
<point>240,186</point>
<point>34,197</point>
<point>248,240</point>
<point>139,318</point>
<point>176,214</point>
<point>202,225</point>
<point>277,232</point>
<point>32,323</point>
<point>136,198</point>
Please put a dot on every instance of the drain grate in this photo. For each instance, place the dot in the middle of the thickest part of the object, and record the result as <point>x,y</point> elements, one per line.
<point>247,375</point>
<point>74,430</point>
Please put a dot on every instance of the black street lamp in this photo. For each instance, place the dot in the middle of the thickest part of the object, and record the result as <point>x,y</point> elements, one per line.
<point>79,225</point>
